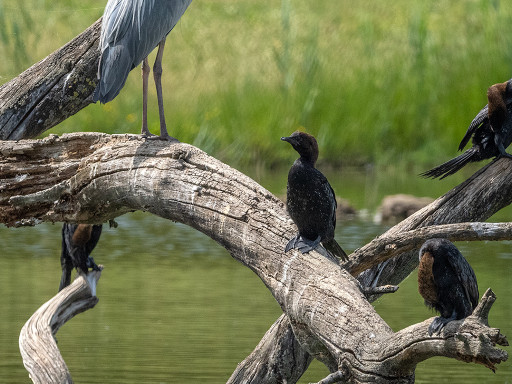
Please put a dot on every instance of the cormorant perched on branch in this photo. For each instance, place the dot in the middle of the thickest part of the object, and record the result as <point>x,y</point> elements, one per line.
<point>310,201</point>
<point>78,241</point>
<point>447,282</point>
<point>491,131</point>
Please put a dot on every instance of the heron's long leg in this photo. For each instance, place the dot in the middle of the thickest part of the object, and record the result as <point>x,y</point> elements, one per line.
<point>157,74</point>
<point>145,77</point>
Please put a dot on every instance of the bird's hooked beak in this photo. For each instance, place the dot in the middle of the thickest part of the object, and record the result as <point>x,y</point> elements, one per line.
<point>420,255</point>
<point>288,139</point>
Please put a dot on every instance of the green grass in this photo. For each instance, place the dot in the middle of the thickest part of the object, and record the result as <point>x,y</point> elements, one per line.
<point>376,82</point>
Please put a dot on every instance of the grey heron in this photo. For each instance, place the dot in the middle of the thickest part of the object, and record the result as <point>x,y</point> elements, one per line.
<point>130,30</point>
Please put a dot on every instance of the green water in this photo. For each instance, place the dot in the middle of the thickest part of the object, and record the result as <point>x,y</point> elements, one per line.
<point>175,307</point>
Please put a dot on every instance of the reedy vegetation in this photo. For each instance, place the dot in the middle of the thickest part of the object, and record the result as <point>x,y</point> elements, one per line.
<point>375,82</point>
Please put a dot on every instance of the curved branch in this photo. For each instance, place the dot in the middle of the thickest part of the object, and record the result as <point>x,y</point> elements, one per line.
<point>96,177</point>
<point>474,200</point>
<point>254,368</point>
<point>468,340</point>
<point>41,356</point>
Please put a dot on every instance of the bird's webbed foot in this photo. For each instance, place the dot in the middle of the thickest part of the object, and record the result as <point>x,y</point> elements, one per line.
<point>291,243</point>
<point>498,140</point>
<point>92,265</point>
<point>505,154</point>
<point>438,324</point>
<point>305,245</point>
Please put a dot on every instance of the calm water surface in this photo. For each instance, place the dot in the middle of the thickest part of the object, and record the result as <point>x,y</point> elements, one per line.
<point>175,307</point>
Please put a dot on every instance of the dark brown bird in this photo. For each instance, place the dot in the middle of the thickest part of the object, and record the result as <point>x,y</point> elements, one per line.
<point>310,201</point>
<point>78,241</point>
<point>490,130</point>
<point>446,282</point>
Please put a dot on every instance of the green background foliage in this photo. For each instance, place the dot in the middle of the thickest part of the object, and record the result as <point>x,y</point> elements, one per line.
<point>377,82</point>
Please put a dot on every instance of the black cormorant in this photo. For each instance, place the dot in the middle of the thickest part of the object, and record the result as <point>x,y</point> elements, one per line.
<point>447,282</point>
<point>311,202</point>
<point>491,131</point>
<point>78,241</point>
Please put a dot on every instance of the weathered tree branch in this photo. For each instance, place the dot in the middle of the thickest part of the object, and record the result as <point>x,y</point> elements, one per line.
<point>52,90</point>
<point>38,347</point>
<point>60,85</point>
<point>262,367</point>
<point>386,246</point>
<point>96,177</point>
<point>461,339</point>
<point>476,199</point>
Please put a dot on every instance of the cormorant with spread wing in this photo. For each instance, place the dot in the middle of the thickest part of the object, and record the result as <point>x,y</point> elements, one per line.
<point>490,130</point>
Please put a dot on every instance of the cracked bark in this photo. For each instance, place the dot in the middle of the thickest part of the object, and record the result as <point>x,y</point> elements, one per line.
<point>51,90</point>
<point>98,177</point>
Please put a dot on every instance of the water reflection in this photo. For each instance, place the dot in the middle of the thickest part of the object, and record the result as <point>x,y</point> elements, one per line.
<point>175,307</point>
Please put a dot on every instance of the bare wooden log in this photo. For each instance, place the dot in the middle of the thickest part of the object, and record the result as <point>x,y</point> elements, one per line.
<point>51,90</point>
<point>256,368</point>
<point>464,340</point>
<point>41,356</point>
<point>386,246</point>
<point>476,199</point>
<point>38,99</point>
<point>99,176</point>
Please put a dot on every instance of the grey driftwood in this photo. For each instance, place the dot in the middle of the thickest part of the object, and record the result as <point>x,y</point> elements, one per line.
<point>93,177</point>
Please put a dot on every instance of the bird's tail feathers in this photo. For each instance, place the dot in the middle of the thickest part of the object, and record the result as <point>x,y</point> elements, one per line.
<point>334,248</point>
<point>452,166</point>
<point>115,65</point>
<point>66,264</point>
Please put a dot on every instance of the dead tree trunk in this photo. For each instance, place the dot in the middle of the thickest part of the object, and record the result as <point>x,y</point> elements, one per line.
<point>95,177</point>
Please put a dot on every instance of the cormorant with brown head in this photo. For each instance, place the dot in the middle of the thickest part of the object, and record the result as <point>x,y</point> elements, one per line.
<point>78,241</point>
<point>310,200</point>
<point>491,131</point>
<point>446,282</point>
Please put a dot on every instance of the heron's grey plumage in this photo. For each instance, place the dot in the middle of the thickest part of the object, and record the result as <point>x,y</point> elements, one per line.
<point>131,29</point>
